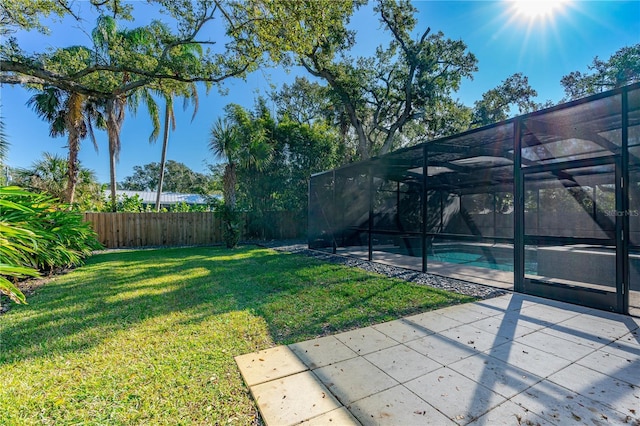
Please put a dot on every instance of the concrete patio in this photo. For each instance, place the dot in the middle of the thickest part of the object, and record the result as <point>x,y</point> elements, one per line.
<point>511,360</point>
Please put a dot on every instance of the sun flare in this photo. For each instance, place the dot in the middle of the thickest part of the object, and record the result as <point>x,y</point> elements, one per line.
<point>536,9</point>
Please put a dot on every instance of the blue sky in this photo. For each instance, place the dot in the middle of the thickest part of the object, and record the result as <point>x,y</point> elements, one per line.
<point>505,41</point>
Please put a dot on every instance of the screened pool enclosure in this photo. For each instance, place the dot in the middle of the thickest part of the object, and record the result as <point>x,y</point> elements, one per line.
<point>546,203</point>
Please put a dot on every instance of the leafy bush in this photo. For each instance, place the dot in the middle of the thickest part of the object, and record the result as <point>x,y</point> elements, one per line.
<point>231,225</point>
<point>38,234</point>
<point>135,204</point>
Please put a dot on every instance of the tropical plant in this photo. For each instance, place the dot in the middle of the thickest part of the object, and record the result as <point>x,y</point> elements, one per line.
<point>16,244</point>
<point>237,140</point>
<point>72,114</point>
<point>120,62</point>
<point>189,92</point>
<point>38,234</point>
<point>224,144</point>
<point>50,175</point>
<point>130,204</point>
<point>4,149</point>
<point>298,151</point>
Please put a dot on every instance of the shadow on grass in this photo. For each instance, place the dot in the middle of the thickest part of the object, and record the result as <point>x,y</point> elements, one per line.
<point>298,297</point>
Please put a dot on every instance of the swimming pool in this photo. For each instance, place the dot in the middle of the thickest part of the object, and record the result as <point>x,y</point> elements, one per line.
<point>499,258</point>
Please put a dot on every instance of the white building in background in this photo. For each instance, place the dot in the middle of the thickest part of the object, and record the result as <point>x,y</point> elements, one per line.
<point>167,199</point>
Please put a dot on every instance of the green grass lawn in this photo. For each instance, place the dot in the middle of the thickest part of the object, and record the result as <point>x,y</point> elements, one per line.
<point>148,337</point>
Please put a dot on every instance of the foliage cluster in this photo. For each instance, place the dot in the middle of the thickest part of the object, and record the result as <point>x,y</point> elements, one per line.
<point>269,162</point>
<point>621,69</point>
<point>50,175</point>
<point>37,234</point>
<point>134,204</point>
<point>177,178</point>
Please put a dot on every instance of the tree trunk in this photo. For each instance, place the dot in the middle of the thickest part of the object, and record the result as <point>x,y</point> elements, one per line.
<point>72,168</point>
<point>115,117</point>
<point>229,185</point>
<point>112,178</point>
<point>165,143</point>
<point>73,123</point>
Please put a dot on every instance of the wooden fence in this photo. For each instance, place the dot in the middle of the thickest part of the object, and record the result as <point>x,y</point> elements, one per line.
<point>116,230</point>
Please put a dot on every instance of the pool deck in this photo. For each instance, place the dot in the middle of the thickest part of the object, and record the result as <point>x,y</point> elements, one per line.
<point>512,360</point>
<point>474,274</point>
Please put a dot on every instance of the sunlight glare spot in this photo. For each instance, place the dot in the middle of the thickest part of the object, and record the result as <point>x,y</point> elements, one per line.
<point>534,9</point>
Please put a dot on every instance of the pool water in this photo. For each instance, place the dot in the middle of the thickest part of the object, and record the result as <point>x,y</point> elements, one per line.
<point>499,263</point>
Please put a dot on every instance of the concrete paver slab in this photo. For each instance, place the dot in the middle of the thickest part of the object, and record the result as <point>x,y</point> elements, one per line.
<point>500,377</point>
<point>622,368</point>
<point>474,337</point>
<point>442,349</point>
<point>402,331</point>
<point>397,406</point>
<point>625,347</point>
<point>293,399</point>
<point>584,338</point>
<point>458,397</point>
<point>270,364</point>
<point>503,327</point>
<point>485,309</point>
<point>354,379</point>
<point>433,321</point>
<point>337,417</point>
<point>561,406</point>
<point>520,317</point>
<point>402,363</point>
<point>610,328</point>
<point>598,386</point>
<point>509,414</point>
<point>503,303</point>
<point>466,313</point>
<point>366,340</point>
<point>556,346</point>
<point>552,314</point>
<point>322,351</point>
<point>530,359</point>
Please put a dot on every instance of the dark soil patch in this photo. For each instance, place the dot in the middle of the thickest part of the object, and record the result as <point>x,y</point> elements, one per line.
<point>29,287</point>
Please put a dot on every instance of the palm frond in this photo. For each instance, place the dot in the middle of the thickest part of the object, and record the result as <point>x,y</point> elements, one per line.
<point>224,140</point>
<point>4,142</point>
<point>47,103</point>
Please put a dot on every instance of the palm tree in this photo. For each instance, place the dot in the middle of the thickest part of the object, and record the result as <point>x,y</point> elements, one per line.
<point>107,38</point>
<point>225,145</point>
<point>237,140</point>
<point>190,94</point>
<point>50,173</point>
<point>72,114</point>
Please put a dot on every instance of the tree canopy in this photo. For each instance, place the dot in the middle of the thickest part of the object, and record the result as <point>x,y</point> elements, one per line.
<point>408,80</point>
<point>360,105</point>
<point>622,68</point>
<point>495,103</point>
<point>178,178</point>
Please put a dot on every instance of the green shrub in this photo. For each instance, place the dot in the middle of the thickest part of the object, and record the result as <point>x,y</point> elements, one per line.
<point>38,234</point>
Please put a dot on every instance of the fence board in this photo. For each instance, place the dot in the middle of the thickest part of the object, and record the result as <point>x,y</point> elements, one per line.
<point>117,230</point>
